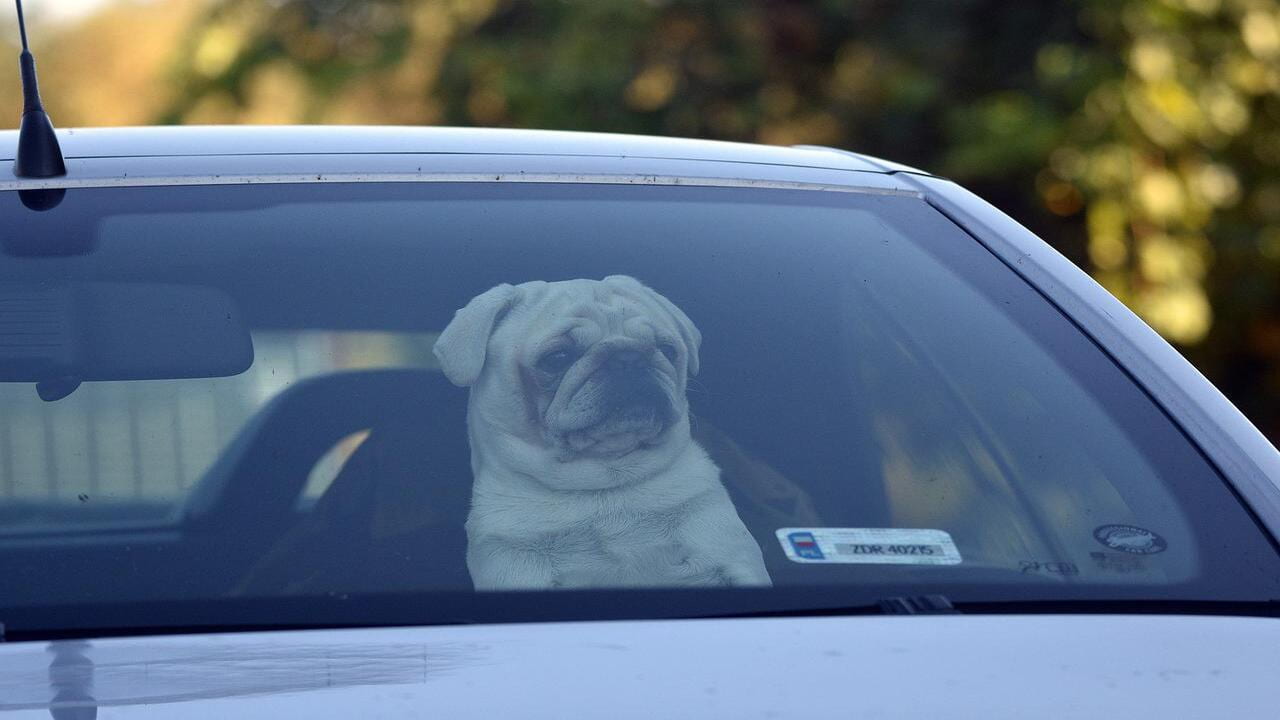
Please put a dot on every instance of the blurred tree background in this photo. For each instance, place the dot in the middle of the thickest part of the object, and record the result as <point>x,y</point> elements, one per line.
<point>1140,137</point>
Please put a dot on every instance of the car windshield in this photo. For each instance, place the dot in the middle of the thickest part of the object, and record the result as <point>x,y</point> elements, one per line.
<point>828,392</point>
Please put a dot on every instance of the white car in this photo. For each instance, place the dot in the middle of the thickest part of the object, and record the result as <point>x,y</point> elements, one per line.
<point>234,480</point>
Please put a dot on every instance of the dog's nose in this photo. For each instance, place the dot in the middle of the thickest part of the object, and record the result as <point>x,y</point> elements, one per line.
<point>625,361</point>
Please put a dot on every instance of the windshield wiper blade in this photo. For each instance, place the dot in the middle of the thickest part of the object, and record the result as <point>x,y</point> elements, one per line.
<point>942,605</point>
<point>1132,606</point>
<point>918,605</point>
<point>895,605</point>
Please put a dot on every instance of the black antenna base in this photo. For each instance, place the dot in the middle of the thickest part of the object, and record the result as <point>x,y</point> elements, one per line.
<point>39,155</point>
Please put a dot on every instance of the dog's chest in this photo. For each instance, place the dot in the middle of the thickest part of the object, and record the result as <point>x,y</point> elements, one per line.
<point>636,549</point>
<point>615,534</point>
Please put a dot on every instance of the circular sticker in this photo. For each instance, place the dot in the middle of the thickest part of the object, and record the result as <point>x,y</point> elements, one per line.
<point>1130,539</point>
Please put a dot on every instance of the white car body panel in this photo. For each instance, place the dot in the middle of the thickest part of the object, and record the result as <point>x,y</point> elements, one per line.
<point>195,141</point>
<point>953,666</point>
<point>204,156</point>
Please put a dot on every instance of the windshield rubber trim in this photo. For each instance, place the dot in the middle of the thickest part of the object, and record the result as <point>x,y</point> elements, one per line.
<point>411,177</point>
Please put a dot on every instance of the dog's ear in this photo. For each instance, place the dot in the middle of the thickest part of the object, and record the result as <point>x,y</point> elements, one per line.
<point>461,347</point>
<point>688,331</point>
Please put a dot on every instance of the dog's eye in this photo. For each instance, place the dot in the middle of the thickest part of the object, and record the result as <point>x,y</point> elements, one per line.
<point>669,350</point>
<point>556,361</point>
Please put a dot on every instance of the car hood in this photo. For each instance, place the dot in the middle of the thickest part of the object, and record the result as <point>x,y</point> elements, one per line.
<point>921,666</point>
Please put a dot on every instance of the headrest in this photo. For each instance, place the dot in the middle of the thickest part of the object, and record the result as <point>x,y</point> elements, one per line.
<point>266,465</point>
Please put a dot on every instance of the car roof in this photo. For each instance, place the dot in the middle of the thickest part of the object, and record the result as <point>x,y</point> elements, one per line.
<point>194,143</point>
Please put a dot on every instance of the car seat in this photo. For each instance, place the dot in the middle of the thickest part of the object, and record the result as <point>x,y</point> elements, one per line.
<point>393,516</point>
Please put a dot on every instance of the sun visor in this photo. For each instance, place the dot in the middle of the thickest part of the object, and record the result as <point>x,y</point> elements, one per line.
<point>119,331</point>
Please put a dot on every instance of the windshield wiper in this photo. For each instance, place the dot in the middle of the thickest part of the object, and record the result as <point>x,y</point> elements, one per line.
<point>895,605</point>
<point>918,605</point>
<point>1147,606</point>
<point>942,605</point>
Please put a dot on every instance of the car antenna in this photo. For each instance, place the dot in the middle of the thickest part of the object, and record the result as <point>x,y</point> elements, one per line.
<point>39,155</point>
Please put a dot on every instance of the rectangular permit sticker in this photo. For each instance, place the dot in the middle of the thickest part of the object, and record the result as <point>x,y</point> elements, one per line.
<point>869,546</point>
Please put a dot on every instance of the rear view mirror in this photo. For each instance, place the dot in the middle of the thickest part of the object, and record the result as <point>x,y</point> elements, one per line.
<point>92,331</point>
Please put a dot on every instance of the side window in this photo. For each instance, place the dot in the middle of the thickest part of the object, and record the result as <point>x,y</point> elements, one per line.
<point>121,452</point>
<point>986,427</point>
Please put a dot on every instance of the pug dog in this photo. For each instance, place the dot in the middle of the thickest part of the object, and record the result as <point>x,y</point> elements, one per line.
<point>586,475</point>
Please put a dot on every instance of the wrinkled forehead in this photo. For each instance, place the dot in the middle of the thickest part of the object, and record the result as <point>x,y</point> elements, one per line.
<point>588,311</point>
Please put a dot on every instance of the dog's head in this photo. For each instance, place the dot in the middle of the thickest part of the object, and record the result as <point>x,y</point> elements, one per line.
<point>578,368</point>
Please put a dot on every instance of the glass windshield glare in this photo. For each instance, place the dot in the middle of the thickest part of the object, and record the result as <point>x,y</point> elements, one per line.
<point>668,387</point>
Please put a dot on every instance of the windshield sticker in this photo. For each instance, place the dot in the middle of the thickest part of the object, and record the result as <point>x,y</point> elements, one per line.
<point>869,546</point>
<point>1054,567</point>
<point>1122,563</point>
<point>1130,539</point>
